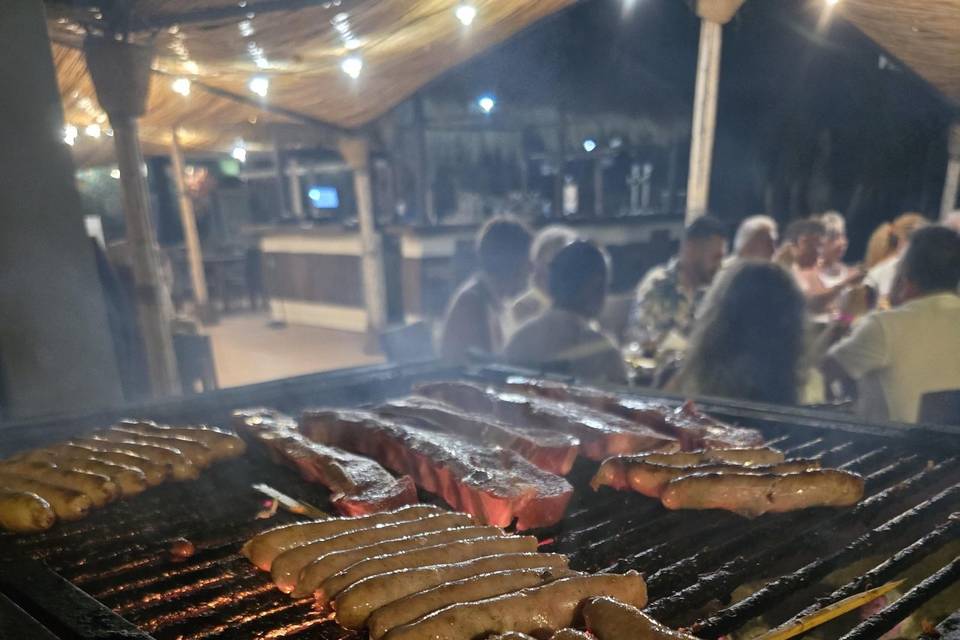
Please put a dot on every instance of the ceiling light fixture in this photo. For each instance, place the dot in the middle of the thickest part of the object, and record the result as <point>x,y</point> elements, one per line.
<point>70,134</point>
<point>486,103</point>
<point>589,145</point>
<point>181,86</point>
<point>259,85</point>
<point>465,14</point>
<point>92,130</point>
<point>115,174</point>
<point>239,152</point>
<point>352,66</point>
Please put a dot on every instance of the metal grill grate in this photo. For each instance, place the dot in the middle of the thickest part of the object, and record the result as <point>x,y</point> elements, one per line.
<point>694,561</point>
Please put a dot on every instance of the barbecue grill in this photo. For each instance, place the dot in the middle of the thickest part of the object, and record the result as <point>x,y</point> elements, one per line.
<point>111,575</point>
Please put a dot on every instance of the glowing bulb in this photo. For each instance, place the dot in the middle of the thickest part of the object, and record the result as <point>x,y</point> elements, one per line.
<point>259,85</point>
<point>181,86</point>
<point>486,103</point>
<point>70,134</point>
<point>92,130</point>
<point>832,3</point>
<point>115,174</point>
<point>352,66</point>
<point>239,153</point>
<point>589,145</point>
<point>465,14</point>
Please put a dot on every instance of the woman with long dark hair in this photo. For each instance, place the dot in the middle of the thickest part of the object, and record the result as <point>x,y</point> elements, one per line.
<point>749,344</point>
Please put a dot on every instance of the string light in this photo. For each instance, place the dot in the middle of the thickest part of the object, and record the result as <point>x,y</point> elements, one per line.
<point>465,14</point>
<point>259,85</point>
<point>92,130</point>
<point>70,134</point>
<point>352,66</point>
<point>239,152</point>
<point>181,86</point>
<point>486,103</point>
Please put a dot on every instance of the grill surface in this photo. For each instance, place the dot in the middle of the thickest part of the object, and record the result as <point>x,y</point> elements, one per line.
<point>695,562</point>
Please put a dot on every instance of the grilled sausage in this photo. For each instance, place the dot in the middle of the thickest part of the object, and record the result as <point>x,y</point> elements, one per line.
<point>313,575</point>
<point>406,610</point>
<point>751,495</point>
<point>66,503</point>
<point>287,566</point>
<point>441,553</point>
<point>222,444</point>
<point>154,473</point>
<point>511,635</point>
<point>554,605</point>
<point>326,565</point>
<point>100,488</point>
<point>194,450</point>
<point>180,467</point>
<point>25,512</point>
<point>651,478</point>
<point>572,634</point>
<point>747,456</point>
<point>263,548</point>
<point>129,480</point>
<point>610,619</point>
<point>355,603</point>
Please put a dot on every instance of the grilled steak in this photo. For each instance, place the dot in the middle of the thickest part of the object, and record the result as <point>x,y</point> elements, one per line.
<point>550,450</point>
<point>359,484</point>
<point>693,429</point>
<point>600,434</point>
<point>495,485</point>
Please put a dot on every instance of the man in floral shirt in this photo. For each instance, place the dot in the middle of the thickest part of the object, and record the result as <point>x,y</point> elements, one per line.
<point>668,296</point>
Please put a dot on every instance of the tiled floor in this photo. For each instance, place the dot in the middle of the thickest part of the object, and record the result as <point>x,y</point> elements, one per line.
<point>246,350</point>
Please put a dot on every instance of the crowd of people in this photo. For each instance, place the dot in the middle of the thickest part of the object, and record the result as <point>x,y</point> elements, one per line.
<point>785,322</point>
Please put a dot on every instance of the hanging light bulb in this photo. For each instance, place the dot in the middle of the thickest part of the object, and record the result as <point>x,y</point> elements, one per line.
<point>181,86</point>
<point>589,145</point>
<point>239,152</point>
<point>115,174</point>
<point>259,85</point>
<point>486,103</point>
<point>70,134</point>
<point>352,66</point>
<point>465,14</point>
<point>92,130</point>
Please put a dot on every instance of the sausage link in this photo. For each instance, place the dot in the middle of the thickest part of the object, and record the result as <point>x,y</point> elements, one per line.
<point>155,473</point>
<point>25,512</point>
<point>100,488</point>
<point>66,503</point>
<point>194,450</point>
<point>610,619</point>
<point>180,467</point>
<point>222,444</point>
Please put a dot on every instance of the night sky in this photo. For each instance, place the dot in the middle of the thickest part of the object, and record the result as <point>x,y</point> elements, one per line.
<point>807,120</point>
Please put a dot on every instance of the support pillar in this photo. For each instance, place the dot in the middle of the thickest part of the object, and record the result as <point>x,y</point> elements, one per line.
<point>121,76</point>
<point>191,237</point>
<point>56,353</point>
<point>951,185</point>
<point>598,187</point>
<point>356,153</point>
<point>296,198</point>
<point>713,15</point>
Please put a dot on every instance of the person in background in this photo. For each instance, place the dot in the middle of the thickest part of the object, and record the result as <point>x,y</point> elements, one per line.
<point>896,356</point>
<point>563,338</point>
<point>668,296</point>
<point>881,275</point>
<point>756,239</point>
<point>881,245</point>
<point>749,344</point>
<point>832,269</point>
<point>546,243</point>
<point>473,319</point>
<point>801,251</point>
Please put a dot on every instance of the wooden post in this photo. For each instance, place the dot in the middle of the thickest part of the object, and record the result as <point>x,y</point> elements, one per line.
<point>356,153</point>
<point>713,15</point>
<point>421,168</point>
<point>296,198</point>
<point>561,161</point>
<point>951,185</point>
<point>191,237</point>
<point>598,186</point>
<point>121,76</point>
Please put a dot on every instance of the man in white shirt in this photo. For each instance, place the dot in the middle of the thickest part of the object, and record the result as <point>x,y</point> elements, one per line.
<point>897,356</point>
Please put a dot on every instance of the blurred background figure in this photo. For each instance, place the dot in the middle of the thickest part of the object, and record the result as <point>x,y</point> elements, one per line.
<point>546,243</point>
<point>749,344</point>
<point>756,239</point>
<point>473,319</point>
<point>563,339</point>
<point>803,246</point>
<point>833,271</point>
<point>668,296</point>
<point>891,241</point>
<point>896,356</point>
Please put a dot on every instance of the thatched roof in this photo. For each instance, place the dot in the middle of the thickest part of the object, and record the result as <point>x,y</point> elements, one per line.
<point>924,34</point>
<point>221,44</point>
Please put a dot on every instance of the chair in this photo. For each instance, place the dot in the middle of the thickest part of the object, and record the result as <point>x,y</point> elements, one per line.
<point>941,407</point>
<point>408,342</point>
